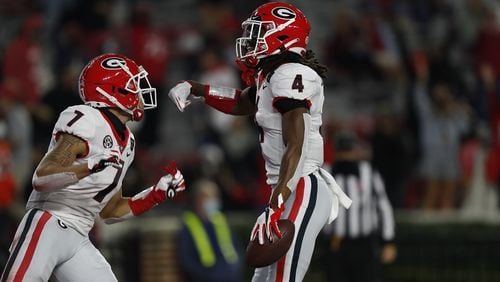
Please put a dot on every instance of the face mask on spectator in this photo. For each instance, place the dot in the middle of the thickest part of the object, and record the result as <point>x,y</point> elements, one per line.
<point>211,206</point>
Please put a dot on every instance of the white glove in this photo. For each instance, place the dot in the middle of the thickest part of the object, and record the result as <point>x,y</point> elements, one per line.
<point>179,95</point>
<point>268,221</point>
<point>172,182</point>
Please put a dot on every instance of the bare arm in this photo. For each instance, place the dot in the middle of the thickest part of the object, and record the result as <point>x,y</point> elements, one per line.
<point>117,207</point>
<point>61,158</point>
<point>293,137</point>
<point>243,104</point>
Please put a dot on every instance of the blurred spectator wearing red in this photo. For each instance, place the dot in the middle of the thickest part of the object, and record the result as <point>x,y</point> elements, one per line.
<point>7,192</point>
<point>22,59</point>
<point>149,47</point>
<point>488,68</point>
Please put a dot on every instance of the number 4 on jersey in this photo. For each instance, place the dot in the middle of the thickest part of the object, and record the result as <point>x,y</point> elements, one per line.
<point>297,83</point>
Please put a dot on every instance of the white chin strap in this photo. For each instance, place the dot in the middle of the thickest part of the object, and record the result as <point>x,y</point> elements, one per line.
<point>297,50</point>
<point>280,28</point>
<point>288,44</point>
<point>136,114</point>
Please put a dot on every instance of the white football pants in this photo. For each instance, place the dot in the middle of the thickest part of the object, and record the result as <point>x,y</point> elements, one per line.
<point>45,247</point>
<point>309,208</point>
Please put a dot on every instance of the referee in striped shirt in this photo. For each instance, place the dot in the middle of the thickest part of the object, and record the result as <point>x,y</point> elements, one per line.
<point>361,238</point>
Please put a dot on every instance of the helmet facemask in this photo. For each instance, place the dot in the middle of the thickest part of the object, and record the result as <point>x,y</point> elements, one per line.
<point>253,43</point>
<point>139,84</point>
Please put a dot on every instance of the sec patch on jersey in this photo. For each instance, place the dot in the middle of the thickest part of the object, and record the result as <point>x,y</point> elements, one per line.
<point>268,253</point>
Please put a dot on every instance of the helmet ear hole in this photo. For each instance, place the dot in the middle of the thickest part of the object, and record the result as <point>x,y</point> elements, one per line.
<point>282,37</point>
<point>123,91</point>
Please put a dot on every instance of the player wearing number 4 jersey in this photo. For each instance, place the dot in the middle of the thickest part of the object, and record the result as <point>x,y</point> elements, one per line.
<point>81,175</point>
<point>285,94</point>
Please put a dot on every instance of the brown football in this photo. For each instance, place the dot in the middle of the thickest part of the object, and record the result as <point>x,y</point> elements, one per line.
<point>263,255</point>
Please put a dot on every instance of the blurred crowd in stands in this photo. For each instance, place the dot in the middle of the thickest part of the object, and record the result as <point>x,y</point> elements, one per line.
<point>417,81</point>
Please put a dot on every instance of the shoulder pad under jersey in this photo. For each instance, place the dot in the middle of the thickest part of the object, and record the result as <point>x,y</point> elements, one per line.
<point>78,120</point>
<point>294,80</point>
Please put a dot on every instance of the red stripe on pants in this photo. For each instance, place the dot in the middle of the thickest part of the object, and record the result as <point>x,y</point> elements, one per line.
<point>299,196</point>
<point>28,256</point>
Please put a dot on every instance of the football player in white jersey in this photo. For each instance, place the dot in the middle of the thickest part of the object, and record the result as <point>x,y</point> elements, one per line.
<point>286,97</point>
<point>80,177</point>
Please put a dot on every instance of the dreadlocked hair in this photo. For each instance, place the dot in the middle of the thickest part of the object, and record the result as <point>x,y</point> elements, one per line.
<point>269,64</point>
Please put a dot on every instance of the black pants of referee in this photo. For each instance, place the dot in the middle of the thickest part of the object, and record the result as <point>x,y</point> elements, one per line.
<point>357,260</point>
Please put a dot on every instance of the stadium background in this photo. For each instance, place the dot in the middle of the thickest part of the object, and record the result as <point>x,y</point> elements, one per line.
<point>378,53</point>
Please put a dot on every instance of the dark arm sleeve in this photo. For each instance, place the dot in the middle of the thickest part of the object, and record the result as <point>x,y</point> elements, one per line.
<point>283,104</point>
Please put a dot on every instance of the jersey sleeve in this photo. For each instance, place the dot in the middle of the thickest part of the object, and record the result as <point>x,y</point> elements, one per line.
<point>294,85</point>
<point>78,121</point>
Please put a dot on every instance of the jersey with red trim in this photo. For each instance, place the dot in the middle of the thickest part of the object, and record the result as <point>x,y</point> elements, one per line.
<point>78,205</point>
<point>289,81</point>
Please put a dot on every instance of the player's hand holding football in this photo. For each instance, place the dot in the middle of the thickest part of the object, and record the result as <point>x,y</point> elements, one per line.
<point>98,164</point>
<point>267,222</point>
<point>171,183</point>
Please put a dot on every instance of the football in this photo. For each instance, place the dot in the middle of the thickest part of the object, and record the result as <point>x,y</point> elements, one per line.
<point>268,253</point>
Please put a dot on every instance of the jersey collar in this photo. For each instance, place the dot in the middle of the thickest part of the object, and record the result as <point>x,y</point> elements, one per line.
<point>119,129</point>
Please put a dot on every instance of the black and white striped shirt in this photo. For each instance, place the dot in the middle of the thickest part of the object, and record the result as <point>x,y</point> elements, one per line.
<point>371,212</point>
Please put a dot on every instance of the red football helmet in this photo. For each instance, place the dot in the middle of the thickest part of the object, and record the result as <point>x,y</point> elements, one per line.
<point>113,80</point>
<point>272,29</point>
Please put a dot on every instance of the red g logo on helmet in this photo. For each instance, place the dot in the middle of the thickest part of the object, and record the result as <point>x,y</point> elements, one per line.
<point>113,63</point>
<point>284,13</point>
<point>113,80</point>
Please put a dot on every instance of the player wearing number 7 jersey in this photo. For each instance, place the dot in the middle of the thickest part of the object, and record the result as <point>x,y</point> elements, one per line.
<point>285,94</point>
<point>81,175</point>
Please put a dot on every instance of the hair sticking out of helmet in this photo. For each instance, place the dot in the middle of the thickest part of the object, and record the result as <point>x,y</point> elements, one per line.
<point>113,80</point>
<point>272,29</point>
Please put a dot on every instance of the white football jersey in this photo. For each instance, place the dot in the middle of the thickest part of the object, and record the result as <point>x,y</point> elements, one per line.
<point>296,81</point>
<point>78,205</point>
